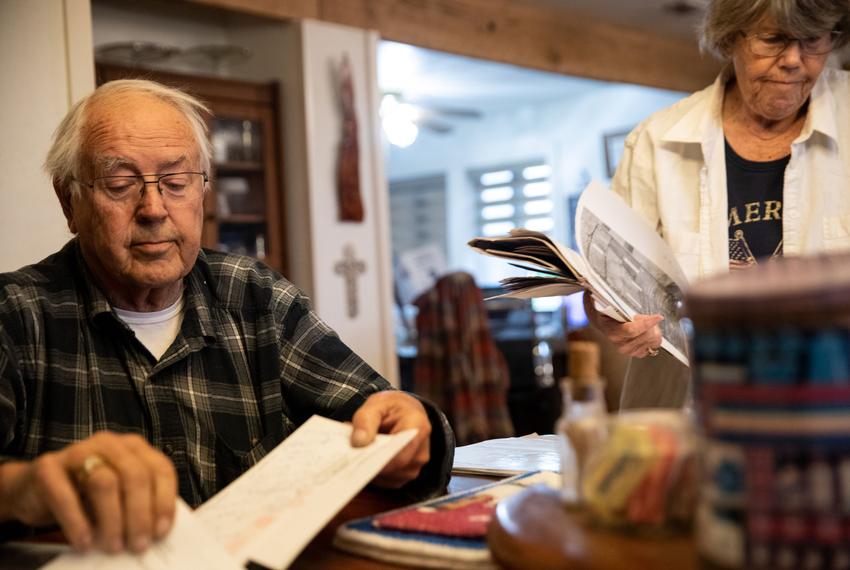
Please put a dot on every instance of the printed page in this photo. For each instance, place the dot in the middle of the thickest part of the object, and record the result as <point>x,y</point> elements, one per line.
<point>533,247</point>
<point>563,268</point>
<point>525,288</point>
<point>270,513</point>
<point>188,545</point>
<point>509,456</point>
<point>629,263</point>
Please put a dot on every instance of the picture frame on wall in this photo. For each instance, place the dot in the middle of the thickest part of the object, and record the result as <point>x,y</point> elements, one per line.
<point>613,144</point>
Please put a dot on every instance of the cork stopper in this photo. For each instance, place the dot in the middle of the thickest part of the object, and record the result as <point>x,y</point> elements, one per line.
<point>583,361</point>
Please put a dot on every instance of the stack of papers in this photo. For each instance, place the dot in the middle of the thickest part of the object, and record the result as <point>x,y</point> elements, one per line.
<point>510,456</point>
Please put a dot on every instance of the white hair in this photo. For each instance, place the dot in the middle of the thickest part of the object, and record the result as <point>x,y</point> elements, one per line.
<point>64,159</point>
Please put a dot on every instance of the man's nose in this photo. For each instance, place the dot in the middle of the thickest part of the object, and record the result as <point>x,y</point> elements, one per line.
<point>151,202</point>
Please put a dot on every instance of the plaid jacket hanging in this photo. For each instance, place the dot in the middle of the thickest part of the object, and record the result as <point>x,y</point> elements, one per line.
<point>458,366</point>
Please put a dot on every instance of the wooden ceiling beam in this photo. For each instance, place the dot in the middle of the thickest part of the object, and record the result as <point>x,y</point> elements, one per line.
<point>517,32</point>
<point>275,9</point>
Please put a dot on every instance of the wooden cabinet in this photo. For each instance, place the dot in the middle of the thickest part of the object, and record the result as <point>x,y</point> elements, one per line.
<point>244,209</point>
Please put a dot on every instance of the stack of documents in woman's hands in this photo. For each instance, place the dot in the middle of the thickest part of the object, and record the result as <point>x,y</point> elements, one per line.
<point>622,261</point>
<point>550,258</point>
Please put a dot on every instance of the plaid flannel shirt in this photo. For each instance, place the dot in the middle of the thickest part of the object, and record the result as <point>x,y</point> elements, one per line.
<point>251,363</point>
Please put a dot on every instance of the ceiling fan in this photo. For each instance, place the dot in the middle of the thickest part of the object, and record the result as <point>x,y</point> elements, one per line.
<point>402,119</point>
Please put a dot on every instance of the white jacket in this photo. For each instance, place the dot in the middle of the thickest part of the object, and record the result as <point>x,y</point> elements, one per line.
<point>673,172</point>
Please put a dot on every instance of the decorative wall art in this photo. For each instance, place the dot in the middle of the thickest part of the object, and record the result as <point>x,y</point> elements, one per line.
<point>350,268</point>
<point>348,159</point>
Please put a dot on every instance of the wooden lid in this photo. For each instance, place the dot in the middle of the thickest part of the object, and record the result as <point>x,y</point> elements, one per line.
<point>805,291</point>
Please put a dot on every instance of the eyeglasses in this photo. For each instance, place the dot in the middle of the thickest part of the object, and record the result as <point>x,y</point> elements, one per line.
<point>176,187</point>
<point>771,44</point>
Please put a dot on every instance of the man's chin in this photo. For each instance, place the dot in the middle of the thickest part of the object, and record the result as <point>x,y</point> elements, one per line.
<point>156,274</point>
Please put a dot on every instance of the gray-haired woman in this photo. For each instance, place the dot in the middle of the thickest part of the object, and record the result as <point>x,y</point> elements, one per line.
<point>758,164</point>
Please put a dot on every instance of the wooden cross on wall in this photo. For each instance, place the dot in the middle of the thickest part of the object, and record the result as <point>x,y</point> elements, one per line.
<point>350,268</point>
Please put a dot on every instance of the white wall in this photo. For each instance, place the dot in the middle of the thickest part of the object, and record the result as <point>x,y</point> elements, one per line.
<point>301,57</point>
<point>371,333</point>
<point>46,65</point>
<point>567,134</point>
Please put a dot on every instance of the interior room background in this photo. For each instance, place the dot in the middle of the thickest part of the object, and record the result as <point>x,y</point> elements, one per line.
<point>558,131</point>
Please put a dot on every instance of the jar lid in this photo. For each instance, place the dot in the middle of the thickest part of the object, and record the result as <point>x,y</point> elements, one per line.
<point>806,291</point>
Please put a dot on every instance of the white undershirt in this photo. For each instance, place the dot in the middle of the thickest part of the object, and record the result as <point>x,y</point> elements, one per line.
<point>156,330</point>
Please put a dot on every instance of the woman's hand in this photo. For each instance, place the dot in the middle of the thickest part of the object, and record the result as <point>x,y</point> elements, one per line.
<point>639,338</point>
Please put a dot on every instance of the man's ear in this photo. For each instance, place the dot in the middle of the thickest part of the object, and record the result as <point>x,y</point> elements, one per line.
<point>63,192</point>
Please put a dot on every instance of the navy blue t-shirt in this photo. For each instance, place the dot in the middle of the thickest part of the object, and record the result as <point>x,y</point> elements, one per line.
<point>755,207</point>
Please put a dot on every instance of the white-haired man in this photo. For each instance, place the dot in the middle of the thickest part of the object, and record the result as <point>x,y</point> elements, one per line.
<point>135,366</point>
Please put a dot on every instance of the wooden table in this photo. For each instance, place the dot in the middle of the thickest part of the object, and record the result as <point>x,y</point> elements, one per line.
<point>547,536</point>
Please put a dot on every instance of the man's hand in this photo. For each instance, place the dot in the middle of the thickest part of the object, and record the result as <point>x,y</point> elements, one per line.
<point>392,411</point>
<point>126,498</point>
<point>639,338</point>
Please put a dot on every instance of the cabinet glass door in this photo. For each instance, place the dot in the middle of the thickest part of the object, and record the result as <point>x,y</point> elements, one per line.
<point>240,186</point>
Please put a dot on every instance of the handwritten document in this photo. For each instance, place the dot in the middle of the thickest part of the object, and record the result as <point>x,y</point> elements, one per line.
<point>188,545</point>
<point>270,513</point>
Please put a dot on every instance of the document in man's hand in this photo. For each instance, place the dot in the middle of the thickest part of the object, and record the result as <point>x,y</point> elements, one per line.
<point>270,513</point>
<point>622,261</point>
<point>188,545</point>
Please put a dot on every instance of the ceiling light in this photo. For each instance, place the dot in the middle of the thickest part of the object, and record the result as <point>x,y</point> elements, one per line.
<point>398,121</point>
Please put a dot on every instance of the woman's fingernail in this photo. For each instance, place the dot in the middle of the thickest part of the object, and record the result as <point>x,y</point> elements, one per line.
<point>117,545</point>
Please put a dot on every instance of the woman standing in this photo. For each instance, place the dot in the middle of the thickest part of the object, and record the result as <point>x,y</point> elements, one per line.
<point>755,166</point>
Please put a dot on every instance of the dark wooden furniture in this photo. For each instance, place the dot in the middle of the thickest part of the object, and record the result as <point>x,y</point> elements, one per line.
<point>244,212</point>
<point>532,529</point>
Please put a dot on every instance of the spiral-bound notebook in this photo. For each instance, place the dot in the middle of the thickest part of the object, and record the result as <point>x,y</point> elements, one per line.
<point>446,532</point>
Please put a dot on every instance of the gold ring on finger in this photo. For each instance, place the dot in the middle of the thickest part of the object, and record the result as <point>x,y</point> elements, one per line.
<point>651,351</point>
<point>90,464</point>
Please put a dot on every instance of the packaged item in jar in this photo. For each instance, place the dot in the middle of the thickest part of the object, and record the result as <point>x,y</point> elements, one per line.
<point>643,476</point>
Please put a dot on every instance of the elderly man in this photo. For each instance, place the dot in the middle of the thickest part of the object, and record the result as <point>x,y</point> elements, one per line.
<point>134,365</point>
